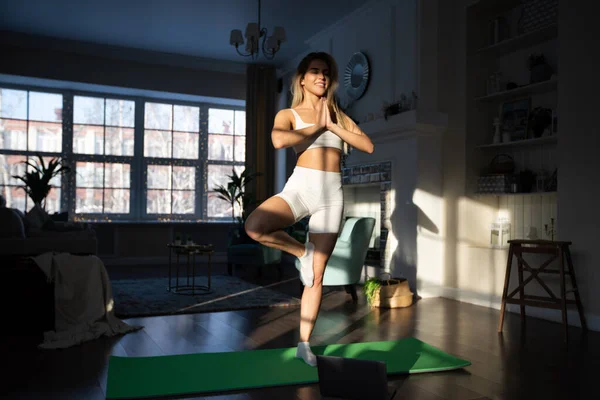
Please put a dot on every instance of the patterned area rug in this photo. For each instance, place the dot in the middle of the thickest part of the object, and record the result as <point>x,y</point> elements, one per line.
<point>149,297</point>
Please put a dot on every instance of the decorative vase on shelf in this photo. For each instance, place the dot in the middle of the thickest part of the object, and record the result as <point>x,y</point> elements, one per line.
<point>532,235</point>
<point>526,180</point>
<point>540,181</point>
<point>500,233</point>
<point>540,70</point>
<point>497,136</point>
<point>494,83</point>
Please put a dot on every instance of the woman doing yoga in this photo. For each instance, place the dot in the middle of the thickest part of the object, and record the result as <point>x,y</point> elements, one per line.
<point>319,132</point>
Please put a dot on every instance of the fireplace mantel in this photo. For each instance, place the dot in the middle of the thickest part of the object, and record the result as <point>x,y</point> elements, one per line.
<point>409,145</point>
<point>405,125</point>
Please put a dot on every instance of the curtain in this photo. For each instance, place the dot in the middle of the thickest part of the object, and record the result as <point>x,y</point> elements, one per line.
<point>261,94</point>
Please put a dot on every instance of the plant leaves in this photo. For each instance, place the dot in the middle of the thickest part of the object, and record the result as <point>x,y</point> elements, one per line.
<point>36,182</point>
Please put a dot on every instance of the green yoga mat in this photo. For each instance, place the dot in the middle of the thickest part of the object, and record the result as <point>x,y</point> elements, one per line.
<point>139,377</point>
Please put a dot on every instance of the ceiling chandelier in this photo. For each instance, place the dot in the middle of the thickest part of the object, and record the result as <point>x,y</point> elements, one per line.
<point>254,33</point>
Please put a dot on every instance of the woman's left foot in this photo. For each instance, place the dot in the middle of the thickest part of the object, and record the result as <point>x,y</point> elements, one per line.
<point>307,275</point>
<point>303,351</point>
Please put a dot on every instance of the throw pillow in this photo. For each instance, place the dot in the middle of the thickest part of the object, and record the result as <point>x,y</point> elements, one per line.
<point>11,225</point>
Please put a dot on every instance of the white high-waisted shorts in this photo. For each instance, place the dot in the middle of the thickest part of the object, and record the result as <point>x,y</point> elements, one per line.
<point>318,194</point>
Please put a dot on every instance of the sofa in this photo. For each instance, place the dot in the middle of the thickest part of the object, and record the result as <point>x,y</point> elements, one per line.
<point>28,292</point>
<point>37,233</point>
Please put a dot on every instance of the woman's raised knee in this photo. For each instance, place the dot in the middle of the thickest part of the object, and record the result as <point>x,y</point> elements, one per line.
<point>254,228</point>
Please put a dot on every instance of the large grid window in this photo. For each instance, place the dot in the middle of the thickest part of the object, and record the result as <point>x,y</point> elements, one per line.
<point>131,158</point>
<point>226,152</point>
<point>103,147</point>
<point>30,124</point>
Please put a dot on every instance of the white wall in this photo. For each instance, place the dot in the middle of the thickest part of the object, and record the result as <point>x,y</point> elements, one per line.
<point>91,63</point>
<point>579,146</point>
<point>386,31</point>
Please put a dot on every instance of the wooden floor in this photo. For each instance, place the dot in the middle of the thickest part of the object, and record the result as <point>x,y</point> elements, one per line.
<point>520,364</point>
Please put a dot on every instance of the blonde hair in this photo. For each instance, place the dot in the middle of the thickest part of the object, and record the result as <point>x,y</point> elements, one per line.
<point>298,91</point>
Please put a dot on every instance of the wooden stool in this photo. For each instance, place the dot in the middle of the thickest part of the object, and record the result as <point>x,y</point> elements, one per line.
<point>558,250</point>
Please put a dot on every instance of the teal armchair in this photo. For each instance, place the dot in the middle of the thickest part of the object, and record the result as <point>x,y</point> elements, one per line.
<point>348,257</point>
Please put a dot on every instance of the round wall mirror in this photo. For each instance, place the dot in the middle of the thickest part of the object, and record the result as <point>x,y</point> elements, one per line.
<point>356,76</point>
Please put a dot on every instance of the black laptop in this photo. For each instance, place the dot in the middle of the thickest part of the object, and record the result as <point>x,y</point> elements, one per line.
<point>352,379</point>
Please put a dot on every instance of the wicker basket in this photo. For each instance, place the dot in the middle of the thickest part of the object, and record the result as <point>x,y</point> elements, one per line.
<point>393,293</point>
<point>501,164</point>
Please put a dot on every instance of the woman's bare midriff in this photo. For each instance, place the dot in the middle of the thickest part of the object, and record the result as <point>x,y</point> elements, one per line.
<point>321,158</point>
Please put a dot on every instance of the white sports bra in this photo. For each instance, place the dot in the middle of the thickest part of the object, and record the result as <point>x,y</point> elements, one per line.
<point>325,139</point>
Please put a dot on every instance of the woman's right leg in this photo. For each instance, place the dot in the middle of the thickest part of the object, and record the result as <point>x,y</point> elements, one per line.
<point>265,225</point>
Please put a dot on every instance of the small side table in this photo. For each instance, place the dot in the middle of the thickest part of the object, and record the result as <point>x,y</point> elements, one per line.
<point>190,251</point>
<point>557,250</point>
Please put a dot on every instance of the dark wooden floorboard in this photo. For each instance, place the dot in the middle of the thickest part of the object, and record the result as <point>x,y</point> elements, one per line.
<point>522,363</point>
<point>407,390</point>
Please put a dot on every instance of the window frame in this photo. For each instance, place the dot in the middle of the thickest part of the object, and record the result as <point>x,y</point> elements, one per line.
<point>138,162</point>
<point>232,164</point>
<point>30,153</point>
<point>74,158</point>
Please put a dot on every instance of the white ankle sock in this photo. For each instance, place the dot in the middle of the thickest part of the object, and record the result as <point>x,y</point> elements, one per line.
<point>307,275</point>
<point>303,351</point>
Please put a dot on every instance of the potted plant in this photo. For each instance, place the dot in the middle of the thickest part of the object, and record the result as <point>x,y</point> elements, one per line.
<point>177,239</point>
<point>36,182</point>
<point>387,293</point>
<point>189,240</point>
<point>236,195</point>
<point>370,287</point>
<point>540,119</point>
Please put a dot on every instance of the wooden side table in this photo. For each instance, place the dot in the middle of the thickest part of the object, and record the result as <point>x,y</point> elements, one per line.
<point>556,250</point>
<point>190,251</point>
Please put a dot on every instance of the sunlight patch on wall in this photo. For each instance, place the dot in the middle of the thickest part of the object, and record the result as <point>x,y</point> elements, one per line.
<point>430,240</point>
<point>478,268</point>
<point>474,219</point>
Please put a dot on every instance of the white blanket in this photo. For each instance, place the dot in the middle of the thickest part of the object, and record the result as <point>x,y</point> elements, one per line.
<point>83,302</point>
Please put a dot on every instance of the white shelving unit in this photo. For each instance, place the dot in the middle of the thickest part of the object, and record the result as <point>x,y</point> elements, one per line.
<point>528,90</point>
<point>526,211</point>
<point>522,41</point>
<point>529,194</point>
<point>519,143</point>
